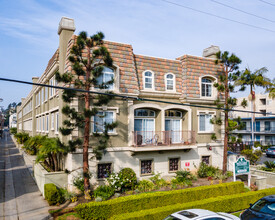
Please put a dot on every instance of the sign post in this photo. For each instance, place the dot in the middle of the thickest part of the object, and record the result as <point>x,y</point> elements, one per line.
<point>241,167</point>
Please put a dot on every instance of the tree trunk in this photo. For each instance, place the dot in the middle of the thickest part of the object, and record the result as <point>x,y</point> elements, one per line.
<point>87,131</point>
<point>56,168</point>
<point>224,168</point>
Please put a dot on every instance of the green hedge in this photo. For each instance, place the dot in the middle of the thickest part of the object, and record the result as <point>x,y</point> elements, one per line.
<point>106,209</point>
<point>229,203</point>
<point>53,194</point>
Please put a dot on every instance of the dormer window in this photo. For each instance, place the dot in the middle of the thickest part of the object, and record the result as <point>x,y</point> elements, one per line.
<point>107,76</point>
<point>206,87</point>
<point>170,82</point>
<point>148,80</point>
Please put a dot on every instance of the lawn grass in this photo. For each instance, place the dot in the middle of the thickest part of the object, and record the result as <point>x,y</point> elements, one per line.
<point>70,215</point>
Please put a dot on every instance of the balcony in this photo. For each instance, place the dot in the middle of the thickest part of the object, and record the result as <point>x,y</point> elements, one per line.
<point>163,138</point>
<point>261,129</point>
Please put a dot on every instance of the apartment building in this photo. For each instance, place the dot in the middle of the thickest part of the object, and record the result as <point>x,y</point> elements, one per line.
<point>151,137</point>
<point>264,124</point>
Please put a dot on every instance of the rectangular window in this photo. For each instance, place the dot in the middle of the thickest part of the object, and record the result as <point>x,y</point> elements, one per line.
<point>104,170</point>
<point>51,89</point>
<point>267,126</point>
<point>43,123</point>
<point>56,123</point>
<point>47,123</point>
<point>204,123</point>
<point>42,95</point>
<point>52,121</point>
<point>37,124</point>
<point>101,119</point>
<point>205,159</point>
<point>173,164</point>
<point>146,167</point>
<point>46,93</point>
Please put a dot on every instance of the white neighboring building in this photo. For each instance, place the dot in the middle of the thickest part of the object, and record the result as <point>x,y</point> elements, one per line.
<point>13,121</point>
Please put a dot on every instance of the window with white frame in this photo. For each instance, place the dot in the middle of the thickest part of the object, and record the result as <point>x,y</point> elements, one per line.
<point>204,122</point>
<point>42,95</point>
<point>47,123</point>
<point>37,124</point>
<point>46,93</point>
<point>148,80</point>
<point>43,123</point>
<point>52,89</point>
<point>106,76</point>
<point>206,87</point>
<point>52,121</point>
<point>56,122</point>
<point>170,82</point>
<point>103,118</point>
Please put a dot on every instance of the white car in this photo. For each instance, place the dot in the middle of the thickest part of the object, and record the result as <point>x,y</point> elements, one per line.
<point>200,214</point>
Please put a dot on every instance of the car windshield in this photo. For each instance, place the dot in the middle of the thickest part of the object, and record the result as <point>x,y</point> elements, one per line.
<point>264,207</point>
<point>170,217</point>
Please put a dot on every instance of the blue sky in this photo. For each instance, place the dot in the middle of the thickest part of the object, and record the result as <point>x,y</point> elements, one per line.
<point>29,36</point>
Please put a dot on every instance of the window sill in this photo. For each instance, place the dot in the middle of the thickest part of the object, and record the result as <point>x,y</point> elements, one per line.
<point>206,132</point>
<point>147,174</point>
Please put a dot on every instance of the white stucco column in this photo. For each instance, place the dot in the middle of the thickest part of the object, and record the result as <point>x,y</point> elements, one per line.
<point>130,122</point>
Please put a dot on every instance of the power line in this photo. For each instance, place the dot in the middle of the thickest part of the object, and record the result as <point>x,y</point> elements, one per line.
<point>128,97</point>
<point>248,13</point>
<point>217,16</point>
<point>267,2</point>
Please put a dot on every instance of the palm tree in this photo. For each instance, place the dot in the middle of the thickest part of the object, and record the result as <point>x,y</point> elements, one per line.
<point>271,89</point>
<point>251,80</point>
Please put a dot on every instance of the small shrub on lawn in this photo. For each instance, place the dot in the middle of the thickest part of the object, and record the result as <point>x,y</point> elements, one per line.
<point>105,192</point>
<point>145,186</point>
<point>128,178</point>
<point>207,170</point>
<point>52,194</point>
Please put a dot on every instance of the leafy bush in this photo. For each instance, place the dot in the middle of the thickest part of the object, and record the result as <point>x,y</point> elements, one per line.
<point>183,178</point>
<point>52,194</point>
<point>145,186</point>
<point>207,170</point>
<point>124,180</point>
<point>158,181</point>
<point>13,131</point>
<point>253,157</point>
<point>21,137</point>
<point>33,144</point>
<point>126,204</point>
<point>228,203</point>
<point>128,178</point>
<point>269,166</point>
<point>105,192</point>
<point>79,183</point>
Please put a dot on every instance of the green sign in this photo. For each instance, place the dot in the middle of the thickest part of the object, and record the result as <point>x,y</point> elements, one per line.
<point>242,166</point>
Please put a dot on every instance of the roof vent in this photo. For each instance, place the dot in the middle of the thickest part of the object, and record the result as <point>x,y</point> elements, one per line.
<point>211,51</point>
<point>66,24</point>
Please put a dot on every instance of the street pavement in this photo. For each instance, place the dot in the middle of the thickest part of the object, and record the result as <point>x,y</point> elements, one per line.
<point>265,158</point>
<point>20,198</point>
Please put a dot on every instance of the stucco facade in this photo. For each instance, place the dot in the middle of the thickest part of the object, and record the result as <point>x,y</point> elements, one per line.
<point>162,137</point>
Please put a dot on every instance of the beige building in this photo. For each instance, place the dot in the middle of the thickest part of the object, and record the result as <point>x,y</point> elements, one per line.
<point>264,124</point>
<point>151,137</point>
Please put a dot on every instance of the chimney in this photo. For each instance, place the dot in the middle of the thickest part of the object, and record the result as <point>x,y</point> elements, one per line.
<point>210,52</point>
<point>34,80</point>
<point>66,29</point>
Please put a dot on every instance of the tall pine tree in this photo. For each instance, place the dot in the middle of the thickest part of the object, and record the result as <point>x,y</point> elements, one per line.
<point>88,58</point>
<point>227,76</point>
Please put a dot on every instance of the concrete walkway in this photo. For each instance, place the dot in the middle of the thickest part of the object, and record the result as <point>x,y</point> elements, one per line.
<point>20,198</point>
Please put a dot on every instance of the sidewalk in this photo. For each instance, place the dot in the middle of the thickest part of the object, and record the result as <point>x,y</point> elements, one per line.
<point>19,195</point>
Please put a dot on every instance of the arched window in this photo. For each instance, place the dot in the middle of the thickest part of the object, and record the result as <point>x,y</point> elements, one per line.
<point>148,80</point>
<point>170,82</point>
<point>107,76</point>
<point>206,87</point>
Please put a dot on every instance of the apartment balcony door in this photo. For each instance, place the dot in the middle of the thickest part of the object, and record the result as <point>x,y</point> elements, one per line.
<point>173,130</point>
<point>144,130</point>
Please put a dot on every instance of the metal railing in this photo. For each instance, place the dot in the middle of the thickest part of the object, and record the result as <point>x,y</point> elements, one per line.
<point>163,138</point>
<point>259,129</point>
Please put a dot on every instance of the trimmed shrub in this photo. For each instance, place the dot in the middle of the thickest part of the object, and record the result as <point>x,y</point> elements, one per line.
<point>79,183</point>
<point>128,178</point>
<point>207,170</point>
<point>158,181</point>
<point>107,209</point>
<point>52,194</point>
<point>105,192</point>
<point>229,203</point>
